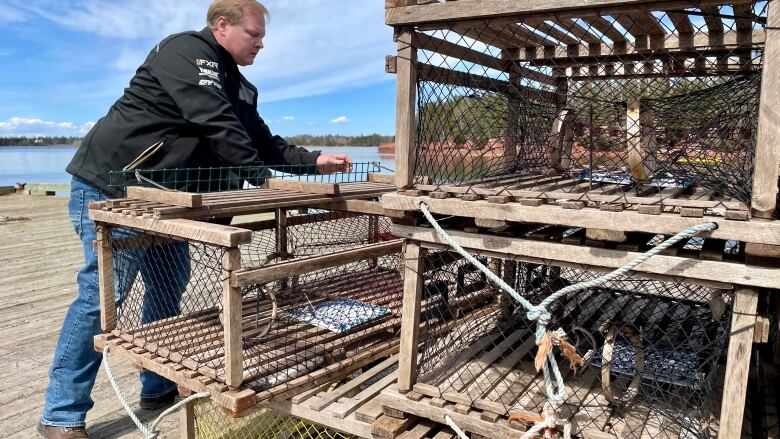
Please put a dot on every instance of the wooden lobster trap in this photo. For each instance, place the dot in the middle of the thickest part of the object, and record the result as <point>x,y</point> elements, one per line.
<point>659,348</point>
<point>567,112</point>
<point>265,309</point>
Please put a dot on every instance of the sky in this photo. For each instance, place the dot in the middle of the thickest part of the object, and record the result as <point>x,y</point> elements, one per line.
<point>64,62</point>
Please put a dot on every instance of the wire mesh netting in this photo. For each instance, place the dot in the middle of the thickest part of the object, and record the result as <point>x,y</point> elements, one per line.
<point>170,295</point>
<point>651,349</point>
<point>235,177</point>
<point>645,102</point>
<point>212,423</point>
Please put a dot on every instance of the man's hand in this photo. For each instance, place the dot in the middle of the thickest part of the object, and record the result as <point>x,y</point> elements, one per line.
<point>330,163</point>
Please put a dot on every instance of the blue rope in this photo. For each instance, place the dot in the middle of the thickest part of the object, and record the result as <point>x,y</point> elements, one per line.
<point>539,313</point>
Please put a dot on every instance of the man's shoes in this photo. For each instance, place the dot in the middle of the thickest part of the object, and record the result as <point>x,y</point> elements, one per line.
<point>160,402</point>
<point>50,432</point>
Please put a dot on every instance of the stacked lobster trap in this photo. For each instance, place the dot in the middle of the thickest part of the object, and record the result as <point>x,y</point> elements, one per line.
<point>556,143</point>
<point>647,353</point>
<point>264,309</point>
<point>628,106</point>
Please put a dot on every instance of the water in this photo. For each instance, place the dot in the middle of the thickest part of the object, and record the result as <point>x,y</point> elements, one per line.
<point>46,164</point>
<point>34,164</point>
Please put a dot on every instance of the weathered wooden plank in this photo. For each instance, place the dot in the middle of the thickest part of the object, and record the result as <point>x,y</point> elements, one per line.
<point>767,158</point>
<point>642,145</point>
<point>763,232</point>
<point>174,198</point>
<point>532,251</point>
<point>413,284</point>
<point>456,78</point>
<point>691,45</point>
<point>738,363</point>
<point>249,276</point>
<point>480,9</point>
<point>231,318</point>
<point>558,193</point>
<point>406,96</point>
<point>105,258</point>
<point>381,178</point>
<point>183,228</point>
<point>437,45</point>
<point>187,421</point>
<point>303,186</point>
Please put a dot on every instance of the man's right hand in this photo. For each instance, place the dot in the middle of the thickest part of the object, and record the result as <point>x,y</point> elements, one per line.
<point>330,163</point>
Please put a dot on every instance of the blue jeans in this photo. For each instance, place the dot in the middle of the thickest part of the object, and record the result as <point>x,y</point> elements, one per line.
<point>75,364</point>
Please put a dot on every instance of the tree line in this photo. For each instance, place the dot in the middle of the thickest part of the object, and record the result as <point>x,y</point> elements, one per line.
<point>32,141</point>
<point>301,140</point>
<point>338,140</point>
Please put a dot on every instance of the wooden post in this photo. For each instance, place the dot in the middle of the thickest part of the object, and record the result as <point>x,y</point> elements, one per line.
<point>743,321</point>
<point>561,140</point>
<point>405,121</point>
<point>512,111</point>
<point>767,159</point>
<point>231,320</point>
<point>642,144</point>
<point>281,239</point>
<point>410,316</point>
<point>105,257</point>
<point>187,420</point>
<point>281,234</point>
<point>373,231</point>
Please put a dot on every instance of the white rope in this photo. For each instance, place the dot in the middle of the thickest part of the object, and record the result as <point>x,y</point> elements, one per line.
<point>149,432</point>
<point>461,434</point>
<point>541,315</point>
<point>142,179</point>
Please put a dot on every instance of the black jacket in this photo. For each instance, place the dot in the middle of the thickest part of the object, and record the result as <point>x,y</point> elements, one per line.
<point>186,106</point>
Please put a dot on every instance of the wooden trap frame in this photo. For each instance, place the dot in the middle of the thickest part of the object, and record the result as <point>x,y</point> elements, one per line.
<point>566,111</point>
<point>492,375</point>
<point>227,322</point>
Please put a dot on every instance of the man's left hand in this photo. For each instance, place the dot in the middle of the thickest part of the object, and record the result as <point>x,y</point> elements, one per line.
<point>330,163</point>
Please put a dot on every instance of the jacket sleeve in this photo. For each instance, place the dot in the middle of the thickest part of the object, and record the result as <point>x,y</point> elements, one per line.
<point>188,69</point>
<point>273,150</point>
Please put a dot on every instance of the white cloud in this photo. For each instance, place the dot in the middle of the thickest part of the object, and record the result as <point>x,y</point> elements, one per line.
<point>25,126</point>
<point>288,118</point>
<point>9,14</point>
<point>304,54</point>
<point>142,20</point>
<point>340,120</point>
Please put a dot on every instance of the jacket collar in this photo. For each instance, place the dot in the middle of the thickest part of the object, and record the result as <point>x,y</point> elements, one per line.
<point>227,58</point>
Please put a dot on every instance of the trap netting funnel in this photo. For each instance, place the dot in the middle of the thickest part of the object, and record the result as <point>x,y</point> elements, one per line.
<point>313,291</point>
<point>646,102</point>
<point>650,350</point>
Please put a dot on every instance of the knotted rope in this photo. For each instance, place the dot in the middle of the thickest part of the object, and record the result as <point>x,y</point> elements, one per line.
<point>546,339</point>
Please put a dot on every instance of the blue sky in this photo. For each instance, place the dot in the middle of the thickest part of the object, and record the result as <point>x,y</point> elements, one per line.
<point>322,70</point>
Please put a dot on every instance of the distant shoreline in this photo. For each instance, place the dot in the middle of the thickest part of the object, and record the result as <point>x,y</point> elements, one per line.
<point>40,146</point>
<point>76,146</point>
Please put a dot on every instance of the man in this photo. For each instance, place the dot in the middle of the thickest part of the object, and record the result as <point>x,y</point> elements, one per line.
<point>187,106</point>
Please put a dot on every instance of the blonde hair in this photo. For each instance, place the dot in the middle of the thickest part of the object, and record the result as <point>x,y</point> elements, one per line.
<point>232,11</point>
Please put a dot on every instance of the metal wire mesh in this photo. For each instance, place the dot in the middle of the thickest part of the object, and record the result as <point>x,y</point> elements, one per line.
<point>648,103</point>
<point>212,423</point>
<point>169,297</point>
<point>651,348</point>
<point>234,177</point>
